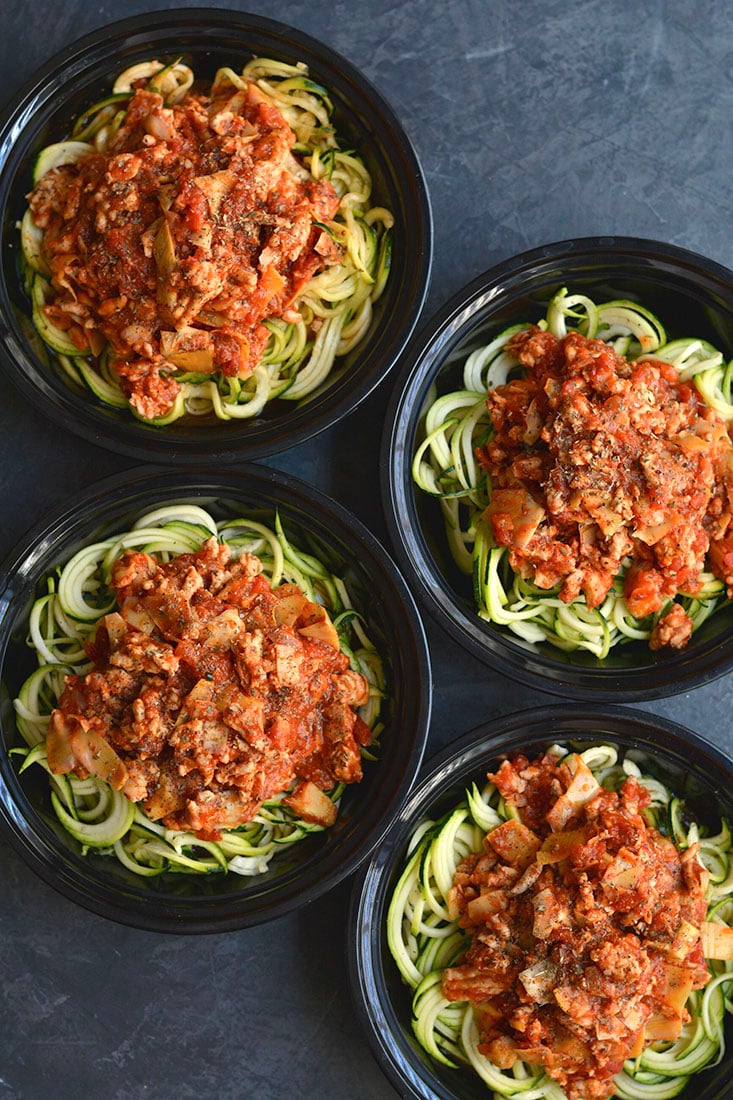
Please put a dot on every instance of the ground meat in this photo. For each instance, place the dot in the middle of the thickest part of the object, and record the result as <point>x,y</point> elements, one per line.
<point>175,244</point>
<point>597,461</point>
<point>591,954</point>
<point>674,629</point>
<point>211,692</point>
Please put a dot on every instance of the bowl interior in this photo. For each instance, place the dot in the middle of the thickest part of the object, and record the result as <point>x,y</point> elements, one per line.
<point>204,903</point>
<point>692,297</point>
<point>207,39</point>
<point>688,765</point>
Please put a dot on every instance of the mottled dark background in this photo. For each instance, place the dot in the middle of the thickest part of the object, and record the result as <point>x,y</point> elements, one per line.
<point>534,121</point>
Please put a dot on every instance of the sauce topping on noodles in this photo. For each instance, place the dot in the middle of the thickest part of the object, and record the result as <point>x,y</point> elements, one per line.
<point>194,226</point>
<point>585,926</point>
<point>211,692</point>
<point>597,460</point>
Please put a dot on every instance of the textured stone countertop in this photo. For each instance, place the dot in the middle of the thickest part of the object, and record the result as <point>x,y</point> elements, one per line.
<point>534,122</point>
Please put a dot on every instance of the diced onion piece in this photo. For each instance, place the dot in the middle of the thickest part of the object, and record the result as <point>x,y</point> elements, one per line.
<point>70,741</point>
<point>60,756</point>
<point>641,1039</point>
<point>679,984</point>
<point>623,872</point>
<point>319,627</point>
<point>521,509</point>
<point>539,980</point>
<point>661,1028</point>
<point>164,249</point>
<point>557,846</point>
<point>686,938</point>
<point>99,758</point>
<point>160,125</point>
<point>289,608</point>
<point>717,940</point>
<point>200,360</point>
<point>116,629</point>
<point>310,803</point>
<point>484,906</point>
<point>516,844</point>
<point>583,787</point>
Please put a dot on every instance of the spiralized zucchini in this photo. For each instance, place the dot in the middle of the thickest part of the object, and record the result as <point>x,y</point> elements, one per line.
<point>445,466</point>
<point>424,942</point>
<point>104,820</point>
<point>336,306</point>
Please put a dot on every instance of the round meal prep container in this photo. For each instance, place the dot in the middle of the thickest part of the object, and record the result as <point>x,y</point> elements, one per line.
<point>301,872</point>
<point>689,765</point>
<point>209,38</point>
<point>692,296</point>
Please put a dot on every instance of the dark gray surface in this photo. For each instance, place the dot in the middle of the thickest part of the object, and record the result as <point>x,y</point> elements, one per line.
<point>535,121</point>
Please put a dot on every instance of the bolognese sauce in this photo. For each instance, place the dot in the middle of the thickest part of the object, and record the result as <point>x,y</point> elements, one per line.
<point>211,691</point>
<point>194,226</point>
<point>598,461</point>
<point>585,927</point>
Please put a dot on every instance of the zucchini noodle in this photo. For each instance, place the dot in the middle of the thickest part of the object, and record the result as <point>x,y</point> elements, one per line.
<point>103,820</point>
<point>333,311</point>
<point>424,942</point>
<point>445,467</point>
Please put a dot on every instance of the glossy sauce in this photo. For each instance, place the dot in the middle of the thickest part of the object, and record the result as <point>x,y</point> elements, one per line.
<point>174,245</point>
<point>584,925</point>
<point>597,461</point>
<point>210,693</point>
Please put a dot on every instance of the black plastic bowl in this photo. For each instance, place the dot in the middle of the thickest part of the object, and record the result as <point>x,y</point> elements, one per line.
<point>208,38</point>
<point>693,297</point>
<point>689,765</point>
<point>192,903</point>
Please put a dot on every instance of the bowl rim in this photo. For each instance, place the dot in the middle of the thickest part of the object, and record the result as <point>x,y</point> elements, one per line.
<point>366,950</point>
<point>94,421</point>
<point>437,335</point>
<point>81,881</point>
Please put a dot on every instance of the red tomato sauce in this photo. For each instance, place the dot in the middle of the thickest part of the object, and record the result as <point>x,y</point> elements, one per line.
<point>210,692</point>
<point>176,243</point>
<point>584,925</point>
<point>597,461</point>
